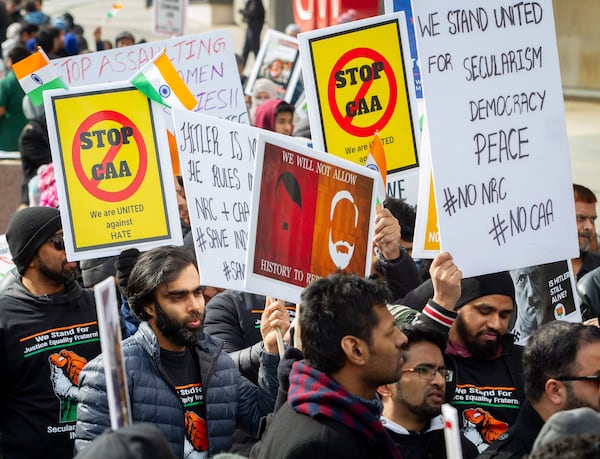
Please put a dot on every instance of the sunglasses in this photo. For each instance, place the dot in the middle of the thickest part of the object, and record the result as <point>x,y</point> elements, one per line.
<point>595,378</point>
<point>58,242</point>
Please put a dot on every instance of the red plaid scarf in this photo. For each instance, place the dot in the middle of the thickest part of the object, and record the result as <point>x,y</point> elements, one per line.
<point>315,394</point>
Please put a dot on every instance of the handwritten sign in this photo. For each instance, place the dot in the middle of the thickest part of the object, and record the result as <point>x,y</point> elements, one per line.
<point>312,214</point>
<point>217,164</point>
<point>499,147</point>
<point>113,172</point>
<point>206,62</point>
<point>363,89</point>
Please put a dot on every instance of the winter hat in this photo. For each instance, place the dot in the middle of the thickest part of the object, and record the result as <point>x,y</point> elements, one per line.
<point>569,422</point>
<point>97,269</point>
<point>27,230</point>
<point>133,441</point>
<point>471,288</point>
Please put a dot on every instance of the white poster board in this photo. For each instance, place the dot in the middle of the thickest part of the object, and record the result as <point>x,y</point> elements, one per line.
<point>205,61</point>
<point>279,61</point>
<point>170,17</point>
<point>494,104</point>
<point>217,164</point>
<point>109,325</point>
<point>312,214</point>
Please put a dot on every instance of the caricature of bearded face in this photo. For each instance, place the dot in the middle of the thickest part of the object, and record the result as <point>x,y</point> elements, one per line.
<point>343,220</point>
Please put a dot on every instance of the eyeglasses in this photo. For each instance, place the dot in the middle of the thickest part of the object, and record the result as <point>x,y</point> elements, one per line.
<point>428,373</point>
<point>58,242</point>
<point>595,378</point>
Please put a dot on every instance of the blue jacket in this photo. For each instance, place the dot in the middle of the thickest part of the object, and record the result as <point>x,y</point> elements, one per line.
<point>230,398</point>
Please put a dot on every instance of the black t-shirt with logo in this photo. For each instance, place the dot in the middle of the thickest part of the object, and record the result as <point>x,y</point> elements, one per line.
<point>184,371</point>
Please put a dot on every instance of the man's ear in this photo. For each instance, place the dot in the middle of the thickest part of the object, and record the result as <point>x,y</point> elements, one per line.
<point>355,349</point>
<point>555,391</point>
<point>385,390</point>
<point>149,309</point>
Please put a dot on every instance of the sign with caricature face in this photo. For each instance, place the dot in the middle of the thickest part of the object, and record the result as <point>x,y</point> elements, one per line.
<point>312,215</point>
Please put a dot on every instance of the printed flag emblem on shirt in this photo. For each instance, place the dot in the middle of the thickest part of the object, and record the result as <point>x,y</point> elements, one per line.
<point>36,75</point>
<point>159,81</point>
<point>376,161</point>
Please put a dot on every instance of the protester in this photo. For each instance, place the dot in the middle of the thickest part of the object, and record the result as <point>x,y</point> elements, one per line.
<point>253,14</point>
<point>412,405</point>
<point>488,388</point>
<point>263,90</point>
<point>34,145</point>
<point>12,119</point>
<point>585,213</point>
<point>571,434</point>
<point>351,346</point>
<point>556,356</point>
<point>48,331</point>
<point>179,378</point>
<point>275,115</point>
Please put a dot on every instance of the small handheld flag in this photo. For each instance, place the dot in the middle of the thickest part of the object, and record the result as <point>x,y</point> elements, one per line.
<point>159,81</point>
<point>376,161</point>
<point>114,10</point>
<point>36,75</point>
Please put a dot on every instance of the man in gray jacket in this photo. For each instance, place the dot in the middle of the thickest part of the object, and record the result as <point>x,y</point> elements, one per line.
<point>180,379</point>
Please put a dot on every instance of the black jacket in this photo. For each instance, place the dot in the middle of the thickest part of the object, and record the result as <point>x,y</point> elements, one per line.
<point>306,437</point>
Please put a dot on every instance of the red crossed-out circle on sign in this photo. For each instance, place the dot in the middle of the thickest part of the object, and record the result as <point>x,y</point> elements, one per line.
<point>345,121</point>
<point>92,185</point>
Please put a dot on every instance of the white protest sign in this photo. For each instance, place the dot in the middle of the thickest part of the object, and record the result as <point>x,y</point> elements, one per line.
<point>170,17</point>
<point>499,150</point>
<point>217,163</point>
<point>206,62</point>
<point>109,325</point>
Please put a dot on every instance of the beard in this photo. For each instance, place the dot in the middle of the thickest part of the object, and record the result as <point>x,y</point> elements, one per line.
<point>178,332</point>
<point>423,410</point>
<point>64,276</point>
<point>572,400</point>
<point>483,350</point>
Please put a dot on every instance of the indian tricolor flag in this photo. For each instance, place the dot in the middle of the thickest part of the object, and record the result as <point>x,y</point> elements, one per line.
<point>114,10</point>
<point>159,81</point>
<point>36,75</point>
<point>376,161</point>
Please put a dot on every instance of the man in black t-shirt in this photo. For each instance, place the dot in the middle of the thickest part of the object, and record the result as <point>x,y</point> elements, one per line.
<point>487,389</point>
<point>48,331</point>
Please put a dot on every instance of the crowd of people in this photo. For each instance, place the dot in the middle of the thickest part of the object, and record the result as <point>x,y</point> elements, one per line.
<point>366,362</point>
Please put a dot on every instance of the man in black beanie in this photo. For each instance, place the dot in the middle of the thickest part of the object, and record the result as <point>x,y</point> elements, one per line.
<point>48,331</point>
<point>487,389</point>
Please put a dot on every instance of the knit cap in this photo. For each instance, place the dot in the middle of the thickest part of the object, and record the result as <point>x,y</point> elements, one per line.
<point>570,422</point>
<point>27,230</point>
<point>471,288</point>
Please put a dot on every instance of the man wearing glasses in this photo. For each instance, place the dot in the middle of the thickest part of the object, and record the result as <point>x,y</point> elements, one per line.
<point>487,389</point>
<point>561,366</point>
<point>412,405</point>
<point>48,331</point>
